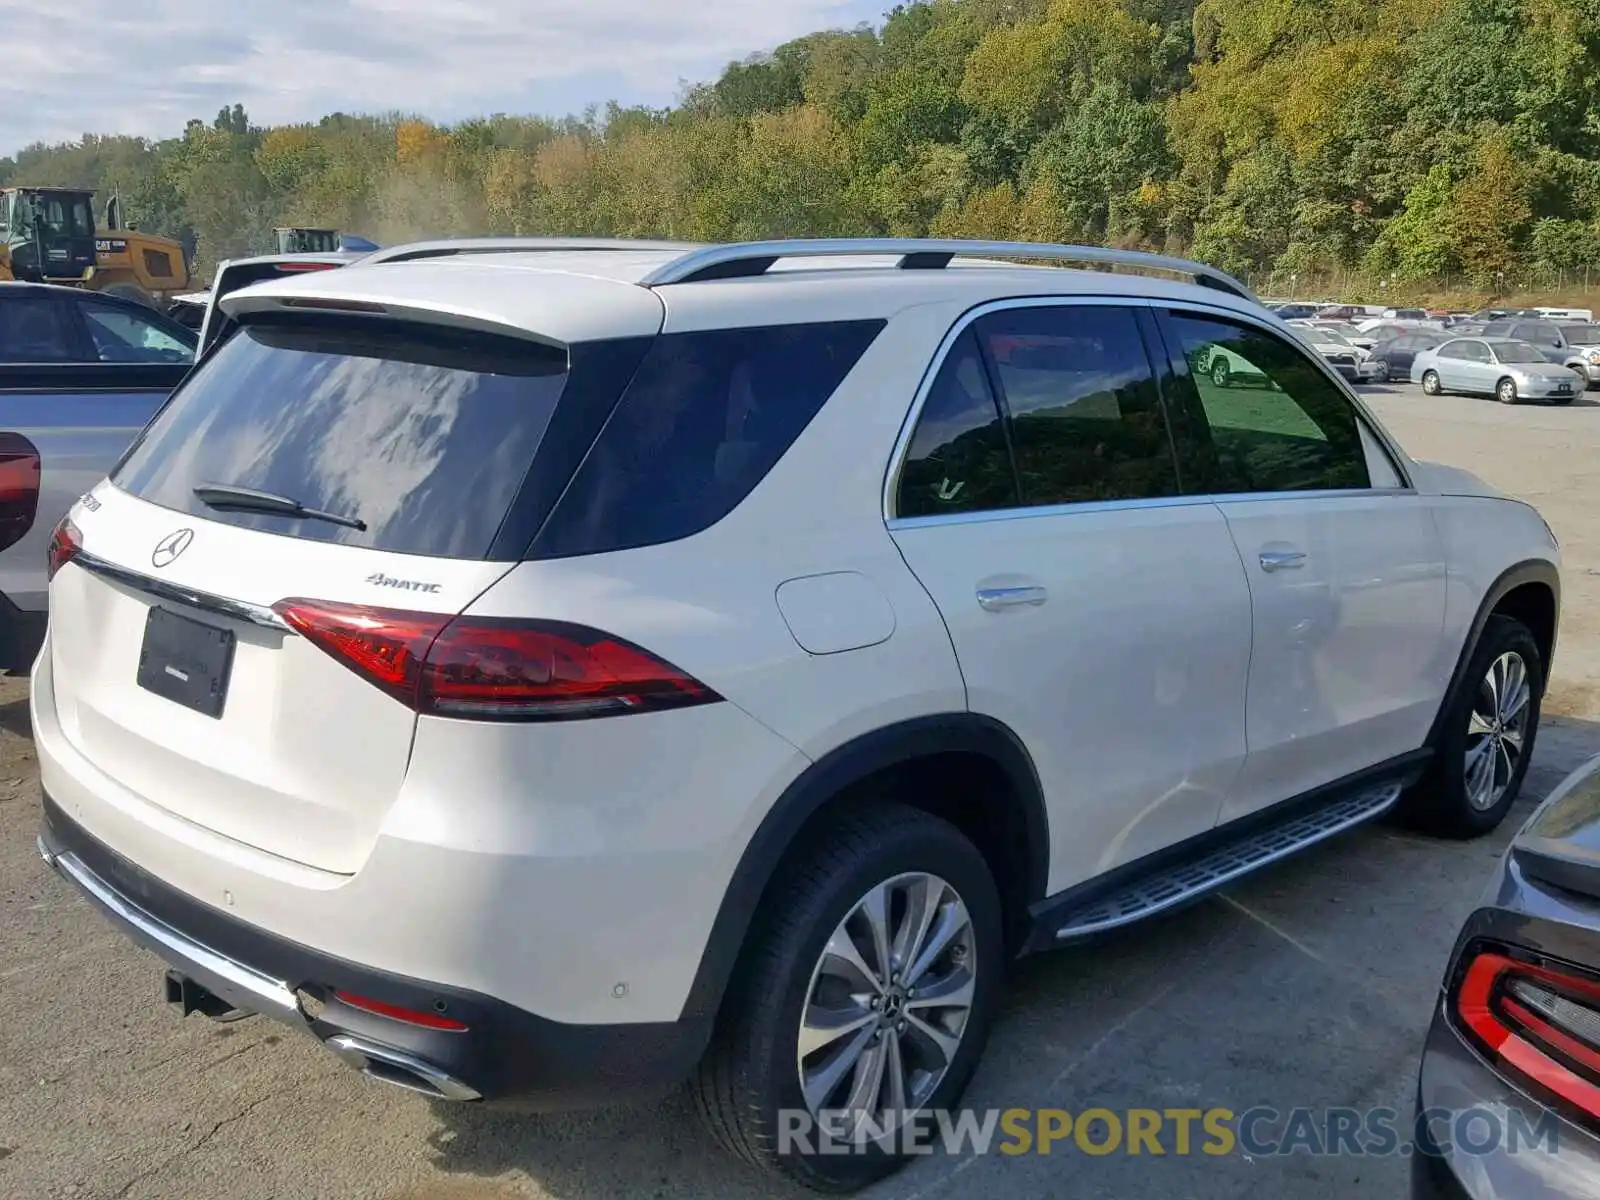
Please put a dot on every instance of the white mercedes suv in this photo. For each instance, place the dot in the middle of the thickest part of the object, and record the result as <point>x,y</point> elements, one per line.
<point>547,675</point>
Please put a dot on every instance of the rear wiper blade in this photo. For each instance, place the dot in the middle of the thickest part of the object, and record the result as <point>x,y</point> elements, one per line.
<point>225,497</point>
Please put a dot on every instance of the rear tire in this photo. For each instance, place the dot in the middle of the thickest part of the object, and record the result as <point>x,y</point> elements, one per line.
<point>1220,374</point>
<point>749,1089</point>
<point>1457,799</point>
<point>1430,383</point>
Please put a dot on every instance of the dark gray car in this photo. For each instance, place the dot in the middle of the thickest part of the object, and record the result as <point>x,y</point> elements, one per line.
<point>1509,1087</point>
<point>80,374</point>
<point>1396,354</point>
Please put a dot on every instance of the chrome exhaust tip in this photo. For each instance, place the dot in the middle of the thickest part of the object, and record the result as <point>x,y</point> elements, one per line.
<point>398,1068</point>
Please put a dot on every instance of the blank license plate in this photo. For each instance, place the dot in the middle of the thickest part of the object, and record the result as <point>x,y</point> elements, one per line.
<point>186,661</point>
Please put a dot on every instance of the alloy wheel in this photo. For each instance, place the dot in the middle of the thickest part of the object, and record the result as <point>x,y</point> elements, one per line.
<point>1497,730</point>
<point>887,1006</point>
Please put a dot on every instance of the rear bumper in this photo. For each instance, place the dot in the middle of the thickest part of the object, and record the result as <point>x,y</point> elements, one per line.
<point>506,1055</point>
<point>1455,1082</point>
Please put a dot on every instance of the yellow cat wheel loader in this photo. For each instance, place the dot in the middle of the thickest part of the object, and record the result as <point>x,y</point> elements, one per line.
<point>48,235</point>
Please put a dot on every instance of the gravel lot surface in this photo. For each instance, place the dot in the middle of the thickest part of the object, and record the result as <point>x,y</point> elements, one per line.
<point>1309,985</point>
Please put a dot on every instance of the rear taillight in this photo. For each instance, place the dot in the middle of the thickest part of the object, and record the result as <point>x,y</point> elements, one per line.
<point>491,669</point>
<point>65,543</point>
<point>292,268</point>
<point>19,487</point>
<point>1537,1022</point>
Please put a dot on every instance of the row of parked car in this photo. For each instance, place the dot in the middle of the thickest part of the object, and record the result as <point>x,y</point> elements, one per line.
<point>558,672</point>
<point>1512,358</point>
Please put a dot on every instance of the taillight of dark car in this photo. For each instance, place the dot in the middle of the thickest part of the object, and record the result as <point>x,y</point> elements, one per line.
<point>1537,1021</point>
<point>19,487</point>
<point>492,669</point>
<point>65,542</point>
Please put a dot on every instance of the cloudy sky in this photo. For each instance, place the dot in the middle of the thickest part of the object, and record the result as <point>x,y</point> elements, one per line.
<point>147,66</point>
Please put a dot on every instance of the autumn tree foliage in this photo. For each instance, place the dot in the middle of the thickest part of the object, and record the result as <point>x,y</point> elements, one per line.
<point>1408,139</point>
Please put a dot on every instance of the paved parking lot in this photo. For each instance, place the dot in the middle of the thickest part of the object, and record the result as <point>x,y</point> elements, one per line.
<point>1309,985</point>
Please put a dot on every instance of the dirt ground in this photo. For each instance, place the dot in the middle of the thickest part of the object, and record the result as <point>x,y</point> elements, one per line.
<point>1308,985</point>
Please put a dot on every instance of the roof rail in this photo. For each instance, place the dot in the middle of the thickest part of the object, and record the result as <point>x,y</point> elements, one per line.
<point>745,259</point>
<point>449,247</point>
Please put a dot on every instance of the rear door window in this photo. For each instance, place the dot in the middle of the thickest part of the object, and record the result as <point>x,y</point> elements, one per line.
<point>34,328</point>
<point>1086,417</point>
<point>423,436</point>
<point>704,420</point>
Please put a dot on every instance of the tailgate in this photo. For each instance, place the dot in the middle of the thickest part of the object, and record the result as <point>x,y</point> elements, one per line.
<point>354,467</point>
<point>290,751</point>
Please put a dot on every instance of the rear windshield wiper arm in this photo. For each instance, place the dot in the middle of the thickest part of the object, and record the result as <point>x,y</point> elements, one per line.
<point>226,497</point>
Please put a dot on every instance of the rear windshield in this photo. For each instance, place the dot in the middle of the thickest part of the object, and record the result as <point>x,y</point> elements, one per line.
<point>421,435</point>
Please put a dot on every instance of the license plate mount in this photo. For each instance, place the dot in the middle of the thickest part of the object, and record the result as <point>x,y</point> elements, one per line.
<point>186,661</point>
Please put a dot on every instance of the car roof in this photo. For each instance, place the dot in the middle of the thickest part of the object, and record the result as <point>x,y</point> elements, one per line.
<point>41,287</point>
<point>567,294</point>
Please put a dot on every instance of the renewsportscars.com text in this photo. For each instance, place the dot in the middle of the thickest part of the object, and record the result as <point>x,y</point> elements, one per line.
<point>1213,1132</point>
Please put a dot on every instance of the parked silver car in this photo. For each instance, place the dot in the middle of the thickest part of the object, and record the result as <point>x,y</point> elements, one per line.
<point>1340,353</point>
<point>1500,367</point>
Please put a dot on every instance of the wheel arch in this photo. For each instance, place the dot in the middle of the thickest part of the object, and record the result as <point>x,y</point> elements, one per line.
<point>1020,835</point>
<point>1530,591</point>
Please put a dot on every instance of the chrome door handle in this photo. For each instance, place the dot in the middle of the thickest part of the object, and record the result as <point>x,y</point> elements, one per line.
<point>995,599</point>
<point>1282,560</point>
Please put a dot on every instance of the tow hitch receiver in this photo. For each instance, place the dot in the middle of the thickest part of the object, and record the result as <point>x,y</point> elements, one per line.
<point>190,997</point>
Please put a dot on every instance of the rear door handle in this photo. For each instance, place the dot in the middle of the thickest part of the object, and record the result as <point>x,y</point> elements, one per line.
<point>1282,560</point>
<point>995,599</point>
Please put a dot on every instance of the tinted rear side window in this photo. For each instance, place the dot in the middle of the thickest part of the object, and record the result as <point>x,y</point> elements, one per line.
<point>701,424</point>
<point>1086,418</point>
<point>33,328</point>
<point>423,436</point>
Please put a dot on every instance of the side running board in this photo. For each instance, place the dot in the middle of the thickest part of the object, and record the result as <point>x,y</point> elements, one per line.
<point>1180,882</point>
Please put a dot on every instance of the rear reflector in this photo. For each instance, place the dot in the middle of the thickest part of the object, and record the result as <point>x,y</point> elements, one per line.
<point>1537,1022</point>
<point>491,669</point>
<point>427,1020</point>
<point>19,487</point>
<point>65,543</point>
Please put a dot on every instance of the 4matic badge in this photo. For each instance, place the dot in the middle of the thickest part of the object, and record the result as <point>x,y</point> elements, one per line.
<point>404,585</point>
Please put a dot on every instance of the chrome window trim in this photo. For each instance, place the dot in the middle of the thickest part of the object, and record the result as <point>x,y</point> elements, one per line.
<point>1090,507</point>
<point>161,589</point>
<point>902,445</point>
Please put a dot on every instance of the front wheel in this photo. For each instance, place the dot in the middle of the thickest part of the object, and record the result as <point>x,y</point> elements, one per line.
<point>1487,738</point>
<point>863,998</point>
<point>1506,391</point>
<point>1430,383</point>
<point>1220,374</point>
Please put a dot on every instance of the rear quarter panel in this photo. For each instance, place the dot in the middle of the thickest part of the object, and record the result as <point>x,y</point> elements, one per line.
<point>80,422</point>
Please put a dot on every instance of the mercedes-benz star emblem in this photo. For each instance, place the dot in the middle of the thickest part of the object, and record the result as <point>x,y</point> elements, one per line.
<point>169,547</point>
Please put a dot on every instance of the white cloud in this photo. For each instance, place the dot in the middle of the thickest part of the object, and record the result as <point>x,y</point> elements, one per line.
<point>147,66</point>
